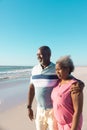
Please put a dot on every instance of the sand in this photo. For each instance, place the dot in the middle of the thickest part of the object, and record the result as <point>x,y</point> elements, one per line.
<point>16,118</point>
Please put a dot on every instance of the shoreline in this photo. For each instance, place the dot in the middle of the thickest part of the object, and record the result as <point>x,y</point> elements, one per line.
<point>13,93</point>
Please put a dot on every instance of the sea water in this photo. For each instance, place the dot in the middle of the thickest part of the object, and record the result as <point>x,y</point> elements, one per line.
<point>14,72</point>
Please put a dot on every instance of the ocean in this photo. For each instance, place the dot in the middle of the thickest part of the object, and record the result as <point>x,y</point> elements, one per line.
<point>14,72</point>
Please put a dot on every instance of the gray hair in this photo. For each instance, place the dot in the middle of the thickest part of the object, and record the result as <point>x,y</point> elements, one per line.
<point>66,62</point>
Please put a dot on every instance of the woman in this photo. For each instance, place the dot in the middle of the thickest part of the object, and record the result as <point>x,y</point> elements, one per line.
<point>67,106</point>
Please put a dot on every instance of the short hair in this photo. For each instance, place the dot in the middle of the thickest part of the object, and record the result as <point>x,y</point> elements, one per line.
<point>46,49</point>
<point>66,62</point>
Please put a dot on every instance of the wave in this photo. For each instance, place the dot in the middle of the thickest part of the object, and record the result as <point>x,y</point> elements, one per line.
<point>15,74</point>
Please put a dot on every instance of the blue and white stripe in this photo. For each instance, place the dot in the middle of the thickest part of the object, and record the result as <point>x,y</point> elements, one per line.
<point>44,81</point>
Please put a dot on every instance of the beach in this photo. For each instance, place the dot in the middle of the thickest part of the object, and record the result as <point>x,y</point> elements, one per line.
<point>13,105</point>
<point>13,102</point>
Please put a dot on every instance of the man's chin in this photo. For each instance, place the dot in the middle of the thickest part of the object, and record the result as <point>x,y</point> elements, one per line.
<point>41,63</point>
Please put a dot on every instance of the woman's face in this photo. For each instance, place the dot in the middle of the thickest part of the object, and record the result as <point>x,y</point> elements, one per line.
<point>62,73</point>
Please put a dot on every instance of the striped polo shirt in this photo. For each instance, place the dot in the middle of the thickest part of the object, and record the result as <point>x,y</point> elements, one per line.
<point>44,81</point>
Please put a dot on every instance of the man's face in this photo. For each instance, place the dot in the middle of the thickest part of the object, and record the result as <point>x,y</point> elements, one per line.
<point>42,57</point>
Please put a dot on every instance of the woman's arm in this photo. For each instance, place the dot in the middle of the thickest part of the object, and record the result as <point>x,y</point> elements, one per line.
<point>77,100</point>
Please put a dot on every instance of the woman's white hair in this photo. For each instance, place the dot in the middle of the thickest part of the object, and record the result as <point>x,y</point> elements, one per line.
<point>66,62</point>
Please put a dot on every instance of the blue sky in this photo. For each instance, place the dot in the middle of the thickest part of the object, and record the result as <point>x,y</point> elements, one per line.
<point>26,25</point>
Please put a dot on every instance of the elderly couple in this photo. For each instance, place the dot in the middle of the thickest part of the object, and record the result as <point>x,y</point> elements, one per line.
<point>59,95</point>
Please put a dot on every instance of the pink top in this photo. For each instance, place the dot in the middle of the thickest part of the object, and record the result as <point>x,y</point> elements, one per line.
<point>62,104</point>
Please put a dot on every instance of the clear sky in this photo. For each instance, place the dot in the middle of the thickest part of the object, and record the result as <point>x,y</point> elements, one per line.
<point>26,25</point>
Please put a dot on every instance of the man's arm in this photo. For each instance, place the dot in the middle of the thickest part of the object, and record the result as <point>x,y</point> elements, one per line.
<point>31,94</point>
<point>78,87</point>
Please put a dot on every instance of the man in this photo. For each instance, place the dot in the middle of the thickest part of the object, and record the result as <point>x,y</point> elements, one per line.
<point>42,82</point>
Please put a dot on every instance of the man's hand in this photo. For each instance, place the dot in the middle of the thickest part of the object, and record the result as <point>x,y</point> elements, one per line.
<point>30,114</point>
<point>77,87</point>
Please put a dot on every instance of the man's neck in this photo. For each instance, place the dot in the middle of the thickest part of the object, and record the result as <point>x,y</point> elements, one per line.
<point>44,66</point>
